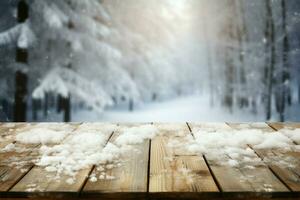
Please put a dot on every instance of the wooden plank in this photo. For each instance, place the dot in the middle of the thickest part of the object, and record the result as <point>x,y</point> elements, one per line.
<point>259,126</point>
<point>279,125</point>
<point>275,160</point>
<point>9,176</point>
<point>38,180</point>
<point>8,132</point>
<point>13,164</point>
<point>289,175</point>
<point>176,134</point>
<point>234,179</point>
<point>267,179</point>
<point>228,178</point>
<point>170,173</point>
<point>289,126</point>
<point>25,154</point>
<point>128,176</point>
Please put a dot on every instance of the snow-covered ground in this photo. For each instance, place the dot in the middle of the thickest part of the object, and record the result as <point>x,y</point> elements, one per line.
<point>191,108</point>
<point>194,108</point>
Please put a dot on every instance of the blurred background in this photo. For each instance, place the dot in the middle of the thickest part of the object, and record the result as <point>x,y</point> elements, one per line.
<point>149,60</point>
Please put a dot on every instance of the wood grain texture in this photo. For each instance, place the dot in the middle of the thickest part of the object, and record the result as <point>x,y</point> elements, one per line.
<point>39,180</point>
<point>178,134</point>
<point>232,179</point>
<point>14,165</point>
<point>9,176</point>
<point>288,172</point>
<point>130,177</point>
<point>279,125</point>
<point>267,178</point>
<point>171,172</point>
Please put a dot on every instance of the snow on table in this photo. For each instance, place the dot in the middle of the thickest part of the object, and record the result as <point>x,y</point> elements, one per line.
<point>160,160</point>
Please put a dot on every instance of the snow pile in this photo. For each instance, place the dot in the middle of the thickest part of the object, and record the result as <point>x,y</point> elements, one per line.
<point>232,147</point>
<point>44,134</point>
<point>293,134</point>
<point>79,151</point>
<point>136,135</point>
<point>66,152</point>
<point>40,136</point>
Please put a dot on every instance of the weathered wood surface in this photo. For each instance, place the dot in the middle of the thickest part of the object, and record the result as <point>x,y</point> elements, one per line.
<point>173,171</point>
<point>233,179</point>
<point>279,161</point>
<point>159,168</point>
<point>129,175</point>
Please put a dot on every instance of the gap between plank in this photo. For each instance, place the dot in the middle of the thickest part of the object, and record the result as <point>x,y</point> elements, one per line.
<point>272,127</point>
<point>93,167</point>
<point>33,165</point>
<point>213,175</point>
<point>273,172</point>
<point>206,162</point>
<point>20,178</point>
<point>191,132</point>
<point>148,169</point>
<point>275,129</point>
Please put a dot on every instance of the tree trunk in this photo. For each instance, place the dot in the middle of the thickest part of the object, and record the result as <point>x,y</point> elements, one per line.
<point>20,103</point>
<point>35,109</point>
<point>46,102</point>
<point>209,56</point>
<point>154,97</point>
<point>131,105</point>
<point>285,95</point>
<point>270,75</point>
<point>4,111</point>
<point>66,106</point>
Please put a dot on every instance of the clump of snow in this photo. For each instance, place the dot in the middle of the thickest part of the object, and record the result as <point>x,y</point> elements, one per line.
<point>293,134</point>
<point>77,152</point>
<point>87,146</point>
<point>41,136</point>
<point>136,135</point>
<point>44,134</point>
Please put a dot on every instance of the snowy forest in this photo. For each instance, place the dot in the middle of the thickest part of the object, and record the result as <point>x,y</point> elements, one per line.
<point>122,60</point>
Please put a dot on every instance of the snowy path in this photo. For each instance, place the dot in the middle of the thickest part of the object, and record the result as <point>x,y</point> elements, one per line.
<point>192,108</point>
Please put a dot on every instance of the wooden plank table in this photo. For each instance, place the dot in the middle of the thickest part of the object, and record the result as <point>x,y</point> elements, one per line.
<point>157,168</point>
